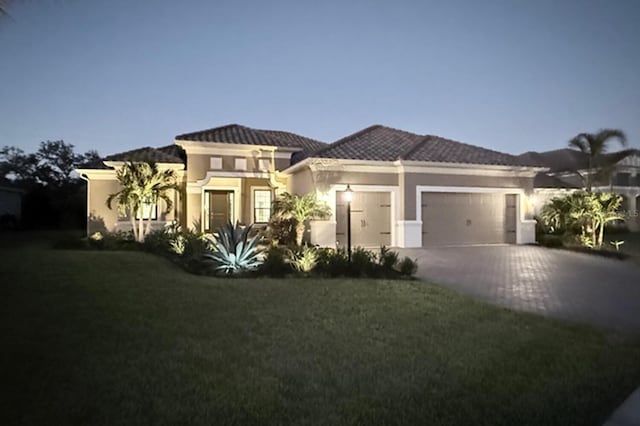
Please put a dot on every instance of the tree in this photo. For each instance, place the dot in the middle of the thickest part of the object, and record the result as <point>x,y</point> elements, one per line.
<point>595,145</point>
<point>4,8</point>
<point>143,184</point>
<point>52,164</point>
<point>301,209</point>
<point>585,212</point>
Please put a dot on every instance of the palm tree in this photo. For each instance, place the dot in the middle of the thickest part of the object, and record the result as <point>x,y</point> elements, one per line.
<point>301,209</point>
<point>143,184</point>
<point>4,7</point>
<point>594,145</point>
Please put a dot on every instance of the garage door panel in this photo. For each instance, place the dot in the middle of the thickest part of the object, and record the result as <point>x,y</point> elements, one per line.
<point>466,218</point>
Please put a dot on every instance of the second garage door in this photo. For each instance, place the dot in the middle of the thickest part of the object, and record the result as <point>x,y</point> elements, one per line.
<point>468,218</point>
<point>370,219</point>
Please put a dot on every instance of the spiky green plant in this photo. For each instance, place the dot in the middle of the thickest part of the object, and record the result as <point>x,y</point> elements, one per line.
<point>304,260</point>
<point>234,251</point>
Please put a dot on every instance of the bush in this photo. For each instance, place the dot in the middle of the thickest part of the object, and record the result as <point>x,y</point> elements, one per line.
<point>331,262</point>
<point>275,263</point>
<point>119,240</point>
<point>363,263</point>
<point>303,260</point>
<point>407,267</point>
<point>550,240</point>
<point>280,231</point>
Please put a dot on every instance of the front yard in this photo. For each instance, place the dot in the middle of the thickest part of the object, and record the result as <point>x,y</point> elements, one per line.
<point>128,338</point>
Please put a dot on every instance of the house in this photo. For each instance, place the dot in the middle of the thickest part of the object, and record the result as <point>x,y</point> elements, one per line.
<point>410,190</point>
<point>10,205</point>
<point>566,166</point>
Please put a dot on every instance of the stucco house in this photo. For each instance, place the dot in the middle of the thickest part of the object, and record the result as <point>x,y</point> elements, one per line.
<point>410,190</point>
<point>566,166</point>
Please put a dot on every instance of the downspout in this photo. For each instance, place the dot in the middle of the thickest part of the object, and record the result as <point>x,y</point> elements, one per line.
<point>273,172</point>
<point>86,179</point>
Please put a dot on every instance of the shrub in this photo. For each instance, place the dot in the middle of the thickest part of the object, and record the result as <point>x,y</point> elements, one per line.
<point>407,267</point>
<point>119,240</point>
<point>387,259</point>
<point>331,262</point>
<point>275,263</point>
<point>280,231</point>
<point>548,240</point>
<point>234,251</point>
<point>363,263</point>
<point>303,260</point>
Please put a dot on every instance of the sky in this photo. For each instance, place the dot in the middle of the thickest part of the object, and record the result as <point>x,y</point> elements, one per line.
<point>510,75</point>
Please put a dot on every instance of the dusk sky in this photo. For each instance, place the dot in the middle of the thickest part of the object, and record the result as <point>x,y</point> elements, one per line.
<point>507,75</point>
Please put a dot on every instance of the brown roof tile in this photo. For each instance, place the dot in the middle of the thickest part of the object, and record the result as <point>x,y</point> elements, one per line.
<point>380,143</point>
<point>237,134</point>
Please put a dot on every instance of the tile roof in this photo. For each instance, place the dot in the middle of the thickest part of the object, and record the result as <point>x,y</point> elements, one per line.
<point>380,143</point>
<point>543,180</point>
<point>165,154</point>
<point>567,159</point>
<point>237,134</point>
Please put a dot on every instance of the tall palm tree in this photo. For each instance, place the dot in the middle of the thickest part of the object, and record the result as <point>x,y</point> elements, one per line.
<point>594,145</point>
<point>301,209</point>
<point>4,7</point>
<point>143,184</point>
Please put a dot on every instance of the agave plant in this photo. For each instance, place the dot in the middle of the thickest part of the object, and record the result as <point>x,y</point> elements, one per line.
<point>234,251</point>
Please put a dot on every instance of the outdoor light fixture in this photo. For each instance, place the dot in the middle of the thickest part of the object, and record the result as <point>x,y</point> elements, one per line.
<point>348,195</point>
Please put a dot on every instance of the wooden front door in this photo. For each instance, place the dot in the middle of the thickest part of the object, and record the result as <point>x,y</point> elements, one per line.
<point>219,209</point>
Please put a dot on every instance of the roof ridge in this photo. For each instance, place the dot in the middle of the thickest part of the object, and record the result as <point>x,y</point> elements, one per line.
<point>345,139</point>
<point>212,128</point>
<point>415,147</point>
<point>474,146</point>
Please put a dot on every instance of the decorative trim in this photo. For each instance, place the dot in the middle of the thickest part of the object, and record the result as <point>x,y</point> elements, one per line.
<point>401,166</point>
<point>220,174</point>
<point>231,150</point>
<point>118,164</point>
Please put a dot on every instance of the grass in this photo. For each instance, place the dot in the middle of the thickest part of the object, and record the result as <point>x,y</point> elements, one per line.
<point>113,338</point>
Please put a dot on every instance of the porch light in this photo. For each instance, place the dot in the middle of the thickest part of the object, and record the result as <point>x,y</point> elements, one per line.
<point>348,194</point>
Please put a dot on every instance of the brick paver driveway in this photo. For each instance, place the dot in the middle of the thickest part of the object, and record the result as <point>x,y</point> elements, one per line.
<point>585,288</point>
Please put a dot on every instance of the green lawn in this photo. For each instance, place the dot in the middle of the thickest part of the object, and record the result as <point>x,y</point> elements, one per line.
<point>116,338</point>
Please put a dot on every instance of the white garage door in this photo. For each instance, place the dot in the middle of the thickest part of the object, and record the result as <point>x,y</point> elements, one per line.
<point>370,219</point>
<point>468,218</point>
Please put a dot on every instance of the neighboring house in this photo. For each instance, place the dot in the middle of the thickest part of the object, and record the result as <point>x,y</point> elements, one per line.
<point>565,166</point>
<point>10,205</point>
<point>410,190</point>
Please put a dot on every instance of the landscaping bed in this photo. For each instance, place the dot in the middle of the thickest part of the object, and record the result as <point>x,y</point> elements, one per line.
<point>108,337</point>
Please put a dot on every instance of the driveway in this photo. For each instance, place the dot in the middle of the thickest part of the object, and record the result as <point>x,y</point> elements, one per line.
<point>580,287</point>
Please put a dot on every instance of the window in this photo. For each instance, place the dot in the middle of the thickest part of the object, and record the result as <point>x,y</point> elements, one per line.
<point>215,163</point>
<point>263,164</point>
<point>148,211</point>
<point>622,179</point>
<point>261,205</point>
<point>241,164</point>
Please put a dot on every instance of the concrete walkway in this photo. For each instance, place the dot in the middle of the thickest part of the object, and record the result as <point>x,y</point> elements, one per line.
<point>580,287</point>
<point>628,414</point>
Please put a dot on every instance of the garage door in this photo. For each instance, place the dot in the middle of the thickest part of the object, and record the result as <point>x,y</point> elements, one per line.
<point>370,219</point>
<point>466,218</point>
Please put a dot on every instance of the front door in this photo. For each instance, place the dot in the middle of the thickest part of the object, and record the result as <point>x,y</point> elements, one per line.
<point>218,209</point>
